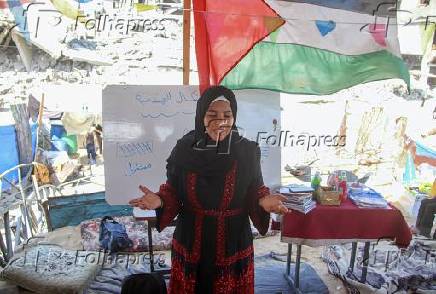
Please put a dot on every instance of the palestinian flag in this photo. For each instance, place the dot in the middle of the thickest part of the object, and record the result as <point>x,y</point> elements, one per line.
<point>308,47</point>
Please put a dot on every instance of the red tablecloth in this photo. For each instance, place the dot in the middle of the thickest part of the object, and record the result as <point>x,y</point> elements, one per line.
<point>345,223</point>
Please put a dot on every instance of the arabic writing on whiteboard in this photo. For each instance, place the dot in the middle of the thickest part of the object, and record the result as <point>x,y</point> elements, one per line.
<point>134,148</point>
<point>135,167</point>
<point>163,105</point>
<point>168,98</point>
<point>165,115</point>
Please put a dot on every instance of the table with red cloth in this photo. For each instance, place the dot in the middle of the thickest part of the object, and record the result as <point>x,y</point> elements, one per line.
<point>347,223</point>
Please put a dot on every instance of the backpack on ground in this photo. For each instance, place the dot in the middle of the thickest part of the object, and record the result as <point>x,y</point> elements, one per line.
<point>113,235</point>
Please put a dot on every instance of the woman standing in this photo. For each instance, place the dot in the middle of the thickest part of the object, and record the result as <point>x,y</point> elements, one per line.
<point>214,185</point>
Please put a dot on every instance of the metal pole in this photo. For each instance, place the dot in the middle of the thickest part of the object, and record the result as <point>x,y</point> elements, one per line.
<point>353,255</point>
<point>289,260</point>
<point>297,267</point>
<point>387,261</point>
<point>365,262</point>
<point>150,246</point>
<point>186,40</point>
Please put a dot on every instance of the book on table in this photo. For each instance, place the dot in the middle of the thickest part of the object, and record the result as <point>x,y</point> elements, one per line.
<point>298,198</point>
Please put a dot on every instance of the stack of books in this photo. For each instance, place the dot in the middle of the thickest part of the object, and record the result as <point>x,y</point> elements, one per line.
<point>298,198</point>
<point>365,197</point>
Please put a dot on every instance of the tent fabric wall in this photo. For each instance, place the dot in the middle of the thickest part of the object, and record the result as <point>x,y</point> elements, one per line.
<point>8,154</point>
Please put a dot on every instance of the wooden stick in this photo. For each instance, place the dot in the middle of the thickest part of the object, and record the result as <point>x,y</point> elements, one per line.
<point>24,137</point>
<point>186,40</point>
<point>38,128</point>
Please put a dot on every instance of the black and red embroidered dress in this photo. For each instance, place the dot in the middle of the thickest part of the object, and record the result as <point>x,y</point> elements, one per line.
<point>212,247</point>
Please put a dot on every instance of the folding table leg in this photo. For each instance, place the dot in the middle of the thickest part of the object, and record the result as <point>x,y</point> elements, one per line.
<point>353,255</point>
<point>289,260</point>
<point>387,261</point>
<point>365,262</point>
<point>297,267</point>
<point>150,246</point>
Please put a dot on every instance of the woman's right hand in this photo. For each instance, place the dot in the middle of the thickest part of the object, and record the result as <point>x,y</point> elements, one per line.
<point>149,200</point>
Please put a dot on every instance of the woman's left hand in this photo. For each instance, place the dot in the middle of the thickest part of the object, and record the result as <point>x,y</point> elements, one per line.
<point>273,203</point>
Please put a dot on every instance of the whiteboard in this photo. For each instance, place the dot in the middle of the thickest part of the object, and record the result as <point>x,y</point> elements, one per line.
<point>141,125</point>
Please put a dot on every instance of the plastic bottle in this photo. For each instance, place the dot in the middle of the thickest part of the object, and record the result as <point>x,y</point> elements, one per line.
<point>316,181</point>
<point>331,182</point>
<point>343,187</point>
<point>433,189</point>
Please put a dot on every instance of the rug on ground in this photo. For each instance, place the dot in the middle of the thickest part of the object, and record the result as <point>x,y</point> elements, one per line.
<point>390,269</point>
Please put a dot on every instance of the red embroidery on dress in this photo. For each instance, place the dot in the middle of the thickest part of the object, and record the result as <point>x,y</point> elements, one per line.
<point>258,215</point>
<point>227,197</point>
<point>220,238</point>
<point>180,282</point>
<point>171,204</point>
<point>229,187</point>
<point>230,282</point>
<point>194,255</point>
<point>262,191</point>
<point>236,257</point>
<point>227,281</point>
<point>192,193</point>
<point>192,197</point>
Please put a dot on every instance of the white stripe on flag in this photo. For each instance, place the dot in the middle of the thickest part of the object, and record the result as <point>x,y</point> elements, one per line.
<point>345,36</point>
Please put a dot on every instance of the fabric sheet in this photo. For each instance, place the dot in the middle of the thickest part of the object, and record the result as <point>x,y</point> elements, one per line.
<point>345,223</point>
<point>390,270</point>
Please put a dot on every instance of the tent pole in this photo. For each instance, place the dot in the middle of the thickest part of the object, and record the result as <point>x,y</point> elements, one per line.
<point>186,40</point>
<point>38,128</point>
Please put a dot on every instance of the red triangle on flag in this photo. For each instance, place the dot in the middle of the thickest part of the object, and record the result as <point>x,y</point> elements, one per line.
<point>225,31</point>
<point>378,32</point>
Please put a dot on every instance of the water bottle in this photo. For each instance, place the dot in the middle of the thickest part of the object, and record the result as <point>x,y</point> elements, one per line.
<point>343,187</point>
<point>316,181</point>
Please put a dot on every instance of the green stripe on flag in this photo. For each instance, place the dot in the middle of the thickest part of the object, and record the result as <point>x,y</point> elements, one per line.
<point>305,70</point>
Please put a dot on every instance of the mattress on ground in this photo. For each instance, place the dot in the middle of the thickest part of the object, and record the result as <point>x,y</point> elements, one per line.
<point>48,269</point>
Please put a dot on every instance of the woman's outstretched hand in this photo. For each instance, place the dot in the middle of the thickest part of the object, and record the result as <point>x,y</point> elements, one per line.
<point>148,201</point>
<point>273,203</point>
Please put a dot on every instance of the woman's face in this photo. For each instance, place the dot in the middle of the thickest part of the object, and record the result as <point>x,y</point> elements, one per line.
<point>218,120</point>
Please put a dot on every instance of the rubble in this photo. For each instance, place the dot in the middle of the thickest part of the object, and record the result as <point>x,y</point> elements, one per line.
<point>88,57</point>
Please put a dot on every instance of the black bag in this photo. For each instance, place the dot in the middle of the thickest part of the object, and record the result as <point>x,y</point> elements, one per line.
<point>113,235</point>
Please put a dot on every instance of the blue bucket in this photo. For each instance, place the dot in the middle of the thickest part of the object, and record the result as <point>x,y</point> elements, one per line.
<point>57,131</point>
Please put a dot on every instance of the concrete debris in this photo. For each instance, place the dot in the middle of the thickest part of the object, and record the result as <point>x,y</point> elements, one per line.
<point>81,43</point>
<point>82,55</point>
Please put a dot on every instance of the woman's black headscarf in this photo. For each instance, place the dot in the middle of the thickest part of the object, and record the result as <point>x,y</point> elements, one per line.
<point>196,151</point>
